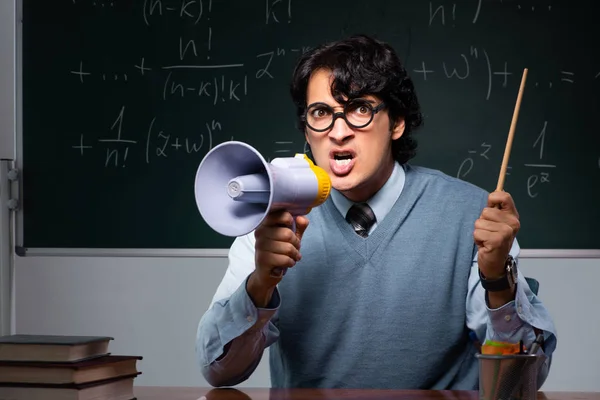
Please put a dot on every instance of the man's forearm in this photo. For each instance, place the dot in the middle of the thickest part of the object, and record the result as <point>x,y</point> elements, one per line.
<point>240,358</point>
<point>232,336</point>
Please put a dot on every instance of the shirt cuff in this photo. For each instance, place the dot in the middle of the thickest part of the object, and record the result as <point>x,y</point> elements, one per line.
<point>245,314</point>
<point>264,315</point>
<point>505,319</point>
<point>508,321</point>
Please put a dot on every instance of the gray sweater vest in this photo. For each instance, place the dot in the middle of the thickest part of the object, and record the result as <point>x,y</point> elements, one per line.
<point>387,311</point>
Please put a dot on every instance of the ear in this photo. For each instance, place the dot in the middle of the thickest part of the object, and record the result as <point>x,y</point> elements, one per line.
<point>398,129</point>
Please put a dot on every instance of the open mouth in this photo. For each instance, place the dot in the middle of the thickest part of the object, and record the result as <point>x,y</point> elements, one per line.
<point>342,162</point>
<point>343,158</point>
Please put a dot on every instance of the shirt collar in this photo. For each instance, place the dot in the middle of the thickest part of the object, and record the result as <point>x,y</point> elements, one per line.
<point>381,203</point>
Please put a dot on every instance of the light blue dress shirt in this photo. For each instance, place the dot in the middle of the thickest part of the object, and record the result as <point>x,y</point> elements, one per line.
<point>512,322</point>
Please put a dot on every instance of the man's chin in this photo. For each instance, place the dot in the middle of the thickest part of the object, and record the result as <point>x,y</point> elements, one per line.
<point>342,183</point>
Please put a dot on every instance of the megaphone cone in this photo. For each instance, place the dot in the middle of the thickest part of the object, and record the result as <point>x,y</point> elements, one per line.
<point>236,188</point>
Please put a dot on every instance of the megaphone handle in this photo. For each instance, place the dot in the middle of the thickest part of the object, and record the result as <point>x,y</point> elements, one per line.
<point>280,272</point>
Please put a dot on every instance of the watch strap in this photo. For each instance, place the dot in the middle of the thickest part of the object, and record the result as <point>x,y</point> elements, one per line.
<point>499,284</point>
<point>494,285</point>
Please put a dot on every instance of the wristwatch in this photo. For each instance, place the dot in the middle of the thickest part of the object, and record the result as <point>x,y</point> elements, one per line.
<point>508,281</point>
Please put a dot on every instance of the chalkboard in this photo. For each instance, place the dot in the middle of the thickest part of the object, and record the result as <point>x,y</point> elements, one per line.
<point>122,100</point>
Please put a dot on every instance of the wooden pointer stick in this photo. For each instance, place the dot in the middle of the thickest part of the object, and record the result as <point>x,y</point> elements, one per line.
<point>511,133</point>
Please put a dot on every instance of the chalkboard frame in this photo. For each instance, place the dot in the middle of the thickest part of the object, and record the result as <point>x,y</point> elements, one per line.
<point>22,251</point>
<point>222,253</point>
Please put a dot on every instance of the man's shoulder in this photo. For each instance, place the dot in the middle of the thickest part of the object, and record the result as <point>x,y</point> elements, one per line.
<point>439,178</point>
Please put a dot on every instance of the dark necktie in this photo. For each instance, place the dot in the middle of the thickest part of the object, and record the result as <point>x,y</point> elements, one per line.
<point>361,217</point>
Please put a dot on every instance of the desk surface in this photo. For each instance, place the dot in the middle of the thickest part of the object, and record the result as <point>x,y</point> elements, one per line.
<point>199,393</point>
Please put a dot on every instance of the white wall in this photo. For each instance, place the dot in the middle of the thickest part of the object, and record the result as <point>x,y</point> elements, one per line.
<point>152,305</point>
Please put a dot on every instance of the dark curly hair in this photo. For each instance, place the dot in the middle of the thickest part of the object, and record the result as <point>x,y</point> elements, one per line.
<point>363,65</point>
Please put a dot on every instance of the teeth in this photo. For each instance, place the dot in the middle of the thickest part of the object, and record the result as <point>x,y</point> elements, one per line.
<point>343,162</point>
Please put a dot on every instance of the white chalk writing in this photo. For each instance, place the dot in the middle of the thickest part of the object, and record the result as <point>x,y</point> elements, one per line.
<point>273,10</point>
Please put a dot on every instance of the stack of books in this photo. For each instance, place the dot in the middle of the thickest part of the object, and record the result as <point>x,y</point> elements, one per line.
<point>59,367</point>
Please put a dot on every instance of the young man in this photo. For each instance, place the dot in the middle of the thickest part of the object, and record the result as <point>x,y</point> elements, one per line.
<point>386,280</point>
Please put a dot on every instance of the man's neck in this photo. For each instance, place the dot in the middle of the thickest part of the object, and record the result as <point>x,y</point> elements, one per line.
<point>364,192</point>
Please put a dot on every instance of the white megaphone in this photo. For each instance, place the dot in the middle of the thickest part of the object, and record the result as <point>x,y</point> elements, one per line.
<point>236,188</point>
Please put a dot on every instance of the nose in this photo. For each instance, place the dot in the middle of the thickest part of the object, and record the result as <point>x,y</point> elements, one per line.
<point>340,131</point>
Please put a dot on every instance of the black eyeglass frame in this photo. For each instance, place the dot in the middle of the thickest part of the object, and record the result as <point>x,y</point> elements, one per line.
<point>342,114</point>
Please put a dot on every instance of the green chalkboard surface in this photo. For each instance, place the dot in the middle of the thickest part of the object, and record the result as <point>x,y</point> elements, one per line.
<point>122,100</point>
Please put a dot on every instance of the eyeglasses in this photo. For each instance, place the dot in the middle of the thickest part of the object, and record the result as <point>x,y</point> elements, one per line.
<point>357,113</point>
